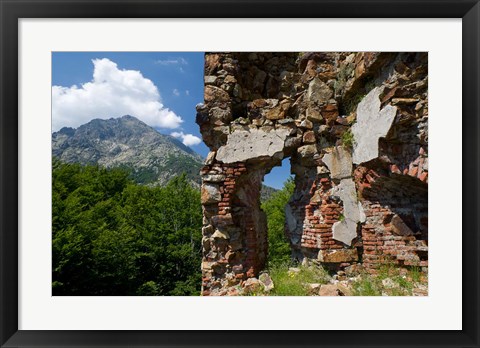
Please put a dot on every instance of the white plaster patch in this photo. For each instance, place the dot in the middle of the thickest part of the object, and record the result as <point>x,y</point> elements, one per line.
<point>243,145</point>
<point>346,230</point>
<point>348,194</point>
<point>339,162</point>
<point>372,124</point>
<point>362,215</point>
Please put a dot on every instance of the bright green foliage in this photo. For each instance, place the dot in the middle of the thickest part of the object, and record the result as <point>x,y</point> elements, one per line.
<point>114,237</point>
<point>294,282</point>
<point>289,283</point>
<point>389,280</point>
<point>347,138</point>
<point>367,286</point>
<point>278,247</point>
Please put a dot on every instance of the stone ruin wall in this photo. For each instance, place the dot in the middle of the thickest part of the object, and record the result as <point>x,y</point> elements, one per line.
<point>354,126</point>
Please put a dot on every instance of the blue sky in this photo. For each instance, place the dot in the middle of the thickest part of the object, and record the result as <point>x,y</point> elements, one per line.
<point>160,88</point>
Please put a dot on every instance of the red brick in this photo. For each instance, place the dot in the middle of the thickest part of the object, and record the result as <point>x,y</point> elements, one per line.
<point>413,171</point>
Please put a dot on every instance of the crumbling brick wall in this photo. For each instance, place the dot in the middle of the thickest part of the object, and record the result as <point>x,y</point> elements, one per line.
<point>355,127</point>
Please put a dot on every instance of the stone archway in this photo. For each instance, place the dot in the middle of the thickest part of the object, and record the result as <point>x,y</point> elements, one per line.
<point>346,120</point>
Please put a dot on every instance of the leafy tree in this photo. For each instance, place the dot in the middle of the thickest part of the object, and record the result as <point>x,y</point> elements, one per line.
<point>113,237</point>
<point>278,246</point>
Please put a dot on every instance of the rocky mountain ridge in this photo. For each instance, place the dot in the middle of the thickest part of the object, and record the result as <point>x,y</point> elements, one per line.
<point>128,143</point>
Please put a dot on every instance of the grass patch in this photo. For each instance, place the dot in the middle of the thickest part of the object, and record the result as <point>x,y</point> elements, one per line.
<point>416,274</point>
<point>389,280</point>
<point>347,138</point>
<point>366,286</point>
<point>289,283</point>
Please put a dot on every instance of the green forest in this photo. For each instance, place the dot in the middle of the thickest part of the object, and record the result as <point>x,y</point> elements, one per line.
<point>278,248</point>
<point>112,236</point>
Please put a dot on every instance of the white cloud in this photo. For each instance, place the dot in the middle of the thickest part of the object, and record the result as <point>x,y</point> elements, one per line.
<point>176,93</point>
<point>187,139</point>
<point>172,61</point>
<point>111,93</point>
<point>187,92</point>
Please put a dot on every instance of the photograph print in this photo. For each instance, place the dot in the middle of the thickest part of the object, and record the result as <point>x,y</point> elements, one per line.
<point>239,174</point>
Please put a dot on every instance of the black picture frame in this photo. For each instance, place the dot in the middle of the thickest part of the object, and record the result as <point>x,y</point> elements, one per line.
<point>13,10</point>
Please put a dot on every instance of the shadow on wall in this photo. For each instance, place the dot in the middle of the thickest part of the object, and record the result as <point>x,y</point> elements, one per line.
<point>398,204</point>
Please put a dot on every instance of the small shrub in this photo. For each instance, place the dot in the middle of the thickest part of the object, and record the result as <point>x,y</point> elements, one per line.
<point>347,138</point>
<point>343,75</point>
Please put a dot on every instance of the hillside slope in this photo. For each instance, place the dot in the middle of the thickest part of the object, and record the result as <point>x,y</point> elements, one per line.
<point>129,143</point>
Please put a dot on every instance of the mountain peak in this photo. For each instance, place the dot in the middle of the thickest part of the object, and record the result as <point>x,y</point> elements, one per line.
<point>132,119</point>
<point>127,142</point>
